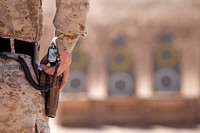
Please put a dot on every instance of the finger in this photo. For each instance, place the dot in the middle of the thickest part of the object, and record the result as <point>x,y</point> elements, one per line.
<point>65,57</point>
<point>44,60</point>
<point>65,62</point>
<point>48,69</point>
<point>64,78</point>
<point>62,68</point>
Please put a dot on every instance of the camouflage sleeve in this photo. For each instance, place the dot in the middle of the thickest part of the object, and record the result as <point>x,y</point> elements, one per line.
<point>70,22</point>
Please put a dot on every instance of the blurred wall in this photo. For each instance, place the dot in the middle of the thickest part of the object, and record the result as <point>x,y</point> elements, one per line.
<point>141,24</point>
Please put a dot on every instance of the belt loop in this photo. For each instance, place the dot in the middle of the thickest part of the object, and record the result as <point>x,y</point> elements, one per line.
<point>12,45</point>
<point>36,55</point>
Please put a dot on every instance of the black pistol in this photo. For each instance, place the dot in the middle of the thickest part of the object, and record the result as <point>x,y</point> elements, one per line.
<point>52,95</point>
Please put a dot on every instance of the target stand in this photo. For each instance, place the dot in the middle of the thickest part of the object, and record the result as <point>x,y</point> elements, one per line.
<point>121,106</point>
<point>166,66</point>
<point>120,75</point>
<point>77,80</point>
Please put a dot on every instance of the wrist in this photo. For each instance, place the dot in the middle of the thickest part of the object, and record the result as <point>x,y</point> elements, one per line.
<point>66,42</point>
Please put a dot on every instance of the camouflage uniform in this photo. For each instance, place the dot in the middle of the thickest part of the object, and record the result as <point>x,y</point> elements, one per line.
<point>22,107</point>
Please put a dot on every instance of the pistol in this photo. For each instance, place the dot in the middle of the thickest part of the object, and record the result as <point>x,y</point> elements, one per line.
<point>52,96</point>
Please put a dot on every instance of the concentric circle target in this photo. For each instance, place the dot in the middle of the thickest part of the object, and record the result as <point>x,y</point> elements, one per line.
<point>76,82</point>
<point>166,56</point>
<point>166,79</point>
<point>121,83</point>
<point>79,59</point>
<point>119,59</point>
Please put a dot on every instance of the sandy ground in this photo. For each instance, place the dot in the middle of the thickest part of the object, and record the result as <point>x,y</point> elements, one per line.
<point>115,129</point>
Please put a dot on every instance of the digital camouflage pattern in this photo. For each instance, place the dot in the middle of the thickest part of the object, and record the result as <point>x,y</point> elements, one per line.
<point>21,106</point>
<point>22,20</point>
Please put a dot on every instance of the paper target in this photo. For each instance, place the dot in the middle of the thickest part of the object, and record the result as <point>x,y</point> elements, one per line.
<point>79,59</point>
<point>166,79</point>
<point>166,56</point>
<point>121,83</point>
<point>76,82</point>
<point>119,59</point>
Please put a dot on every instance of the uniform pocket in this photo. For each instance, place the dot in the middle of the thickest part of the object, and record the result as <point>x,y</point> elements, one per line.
<point>11,75</point>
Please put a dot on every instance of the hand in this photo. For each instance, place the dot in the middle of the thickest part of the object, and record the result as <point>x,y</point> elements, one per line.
<point>65,61</point>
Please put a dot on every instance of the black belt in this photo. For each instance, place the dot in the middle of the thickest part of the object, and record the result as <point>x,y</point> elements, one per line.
<point>21,47</point>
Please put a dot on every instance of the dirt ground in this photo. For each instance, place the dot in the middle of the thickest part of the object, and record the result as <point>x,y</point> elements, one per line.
<point>55,128</point>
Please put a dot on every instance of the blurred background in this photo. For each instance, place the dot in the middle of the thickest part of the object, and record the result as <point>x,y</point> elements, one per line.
<point>138,70</point>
